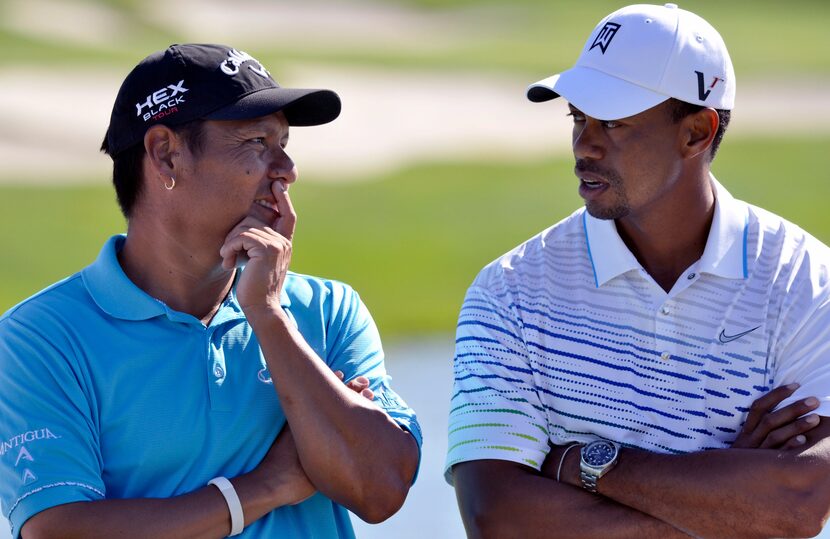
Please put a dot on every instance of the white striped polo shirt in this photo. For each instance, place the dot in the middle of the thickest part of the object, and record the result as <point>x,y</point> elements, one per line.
<point>567,338</point>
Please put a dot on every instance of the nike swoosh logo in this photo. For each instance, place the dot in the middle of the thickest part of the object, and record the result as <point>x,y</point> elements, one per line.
<point>724,338</point>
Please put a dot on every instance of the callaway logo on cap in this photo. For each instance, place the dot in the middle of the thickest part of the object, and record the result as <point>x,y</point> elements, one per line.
<point>640,56</point>
<point>210,82</point>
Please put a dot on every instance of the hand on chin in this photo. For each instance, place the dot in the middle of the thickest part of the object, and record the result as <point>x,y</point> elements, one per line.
<point>267,248</point>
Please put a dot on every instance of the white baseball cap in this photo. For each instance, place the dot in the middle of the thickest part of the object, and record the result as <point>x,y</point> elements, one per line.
<point>640,56</point>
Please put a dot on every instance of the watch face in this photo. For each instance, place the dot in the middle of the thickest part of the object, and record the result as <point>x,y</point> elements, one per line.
<point>599,453</point>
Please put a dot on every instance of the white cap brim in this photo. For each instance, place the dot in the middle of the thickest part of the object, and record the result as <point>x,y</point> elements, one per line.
<point>597,94</point>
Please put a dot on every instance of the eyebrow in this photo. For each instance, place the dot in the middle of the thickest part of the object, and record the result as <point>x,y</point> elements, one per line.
<point>261,126</point>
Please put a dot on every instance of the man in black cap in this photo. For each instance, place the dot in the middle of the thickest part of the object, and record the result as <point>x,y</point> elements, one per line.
<point>188,353</point>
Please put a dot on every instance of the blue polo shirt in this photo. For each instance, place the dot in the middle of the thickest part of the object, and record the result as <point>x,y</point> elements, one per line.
<point>109,393</point>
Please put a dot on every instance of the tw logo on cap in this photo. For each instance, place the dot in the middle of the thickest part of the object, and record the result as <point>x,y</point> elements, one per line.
<point>162,102</point>
<point>605,36</point>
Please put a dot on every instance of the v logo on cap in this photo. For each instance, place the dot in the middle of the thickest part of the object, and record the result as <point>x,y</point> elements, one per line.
<point>702,93</point>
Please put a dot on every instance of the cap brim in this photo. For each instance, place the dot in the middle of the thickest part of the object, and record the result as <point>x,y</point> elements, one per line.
<point>302,107</point>
<point>542,91</point>
<point>597,94</point>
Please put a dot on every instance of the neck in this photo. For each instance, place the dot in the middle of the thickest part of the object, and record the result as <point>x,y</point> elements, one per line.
<point>668,239</point>
<point>187,278</point>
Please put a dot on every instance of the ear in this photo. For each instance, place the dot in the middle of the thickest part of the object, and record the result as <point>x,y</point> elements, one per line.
<point>698,131</point>
<point>162,147</point>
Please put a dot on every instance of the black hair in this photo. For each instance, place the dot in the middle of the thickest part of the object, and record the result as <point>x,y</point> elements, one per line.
<point>127,164</point>
<point>680,109</point>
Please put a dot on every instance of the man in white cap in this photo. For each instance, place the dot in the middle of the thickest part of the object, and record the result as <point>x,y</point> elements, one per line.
<point>656,364</point>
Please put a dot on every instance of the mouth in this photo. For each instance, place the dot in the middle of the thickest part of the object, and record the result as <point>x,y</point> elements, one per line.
<point>270,204</point>
<point>592,184</point>
<point>590,180</point>
<point>266,210</point>
<point>267,204</point>
<point>591,176</point>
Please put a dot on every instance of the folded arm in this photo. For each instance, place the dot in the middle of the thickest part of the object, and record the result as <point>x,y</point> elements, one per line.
<point>353,452</point>
<point>745,492</point>
<point>278,480</point>
<point>780,460</point>
<point>351,449</point>
<point>771,483</point>
<point>502,499</point>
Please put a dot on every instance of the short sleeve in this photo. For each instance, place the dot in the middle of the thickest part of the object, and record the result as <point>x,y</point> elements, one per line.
<point>355,348</point>
<point>495,410</point>
<point>49,453</point>
<point>805,359</point>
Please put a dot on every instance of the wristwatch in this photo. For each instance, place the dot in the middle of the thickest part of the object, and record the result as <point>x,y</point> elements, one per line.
<point>597,459</point>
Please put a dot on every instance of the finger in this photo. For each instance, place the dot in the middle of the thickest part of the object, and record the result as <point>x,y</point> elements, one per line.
<point>239,243</point>
<point>248,222</point>
<point>358,384</point>
<point>285,223</point>
<point>240,249</point>
<point>781,436</point>
<point>230,251</point>
<point>230,259</point>
<point>788,414</point>
<point>765,404</point>
<point>795,442</point>
<point>339,375</point>
<point>766,433</point>
<point>266,239</point>
<point>251,243</point>
<point>368,393</point>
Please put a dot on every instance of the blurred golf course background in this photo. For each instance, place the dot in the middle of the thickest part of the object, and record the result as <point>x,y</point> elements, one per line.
<point>411,235</point>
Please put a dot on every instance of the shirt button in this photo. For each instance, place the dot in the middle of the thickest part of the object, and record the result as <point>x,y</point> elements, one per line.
<point>664,310</point>
<point>665,356</point>
<point>691,276</point>
<point>218,371</point>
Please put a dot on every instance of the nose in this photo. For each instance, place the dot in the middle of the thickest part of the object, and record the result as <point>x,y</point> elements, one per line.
<point>587,139</point>
<point>283,168</point>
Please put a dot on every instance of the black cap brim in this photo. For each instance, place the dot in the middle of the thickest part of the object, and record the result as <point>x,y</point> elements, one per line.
<point>539,94</point>
<point>302,107</point>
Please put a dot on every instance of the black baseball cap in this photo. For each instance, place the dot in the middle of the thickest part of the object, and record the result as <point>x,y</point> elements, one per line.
<point>210,82</point>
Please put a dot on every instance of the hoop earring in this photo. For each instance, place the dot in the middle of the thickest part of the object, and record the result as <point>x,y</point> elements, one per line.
<point>172,185</point>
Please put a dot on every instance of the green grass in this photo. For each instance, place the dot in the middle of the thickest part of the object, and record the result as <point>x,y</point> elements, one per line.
<point>531,37</point>
<point>410,242</point>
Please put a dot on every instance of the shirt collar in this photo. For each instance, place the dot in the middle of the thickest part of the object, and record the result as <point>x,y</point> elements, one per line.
<point>609,255</point>
<point>119,297</point>
<point>113,291</point>
<point>724,254</point>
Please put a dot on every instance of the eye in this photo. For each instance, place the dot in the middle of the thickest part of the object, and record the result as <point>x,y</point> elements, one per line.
<point>577,116</point>
<point>610,124</point>
<point>257,140</point>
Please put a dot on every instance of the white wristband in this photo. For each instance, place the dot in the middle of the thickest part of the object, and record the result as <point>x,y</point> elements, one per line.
<point>234,505</point>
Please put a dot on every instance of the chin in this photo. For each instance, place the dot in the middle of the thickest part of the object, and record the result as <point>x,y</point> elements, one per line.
<point>599,211</point>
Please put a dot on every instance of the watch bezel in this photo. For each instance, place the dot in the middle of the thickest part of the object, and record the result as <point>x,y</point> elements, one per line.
<point>587,452</point>
<point>591,473</point>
